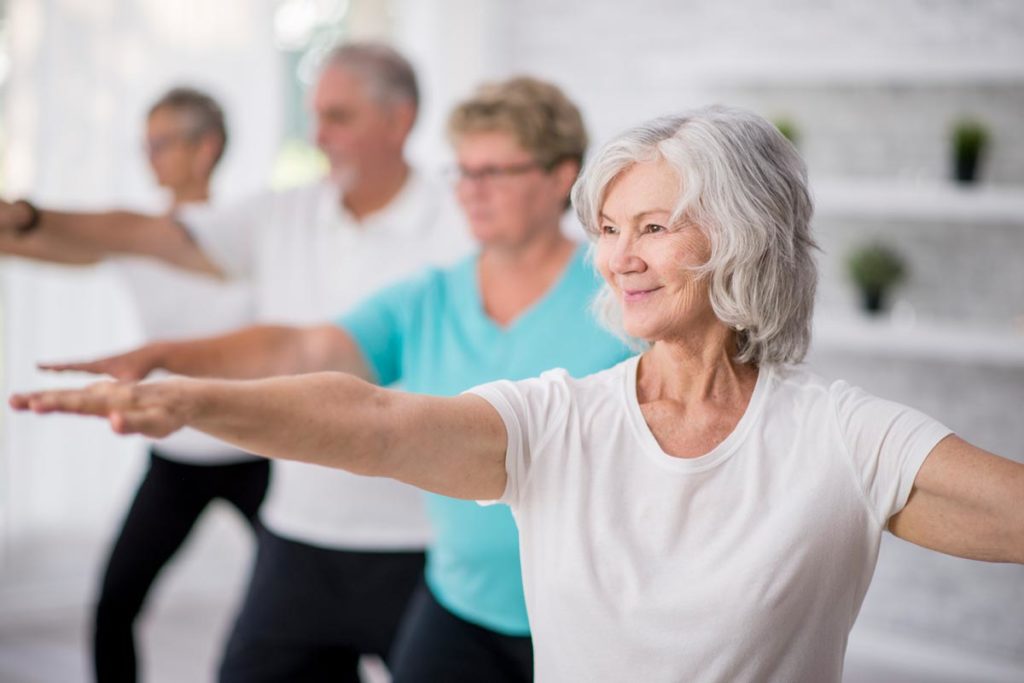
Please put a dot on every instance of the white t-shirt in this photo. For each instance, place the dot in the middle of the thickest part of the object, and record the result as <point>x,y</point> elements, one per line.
<point>748,563</point>
<point>171,303</point>
<point>308,261</point>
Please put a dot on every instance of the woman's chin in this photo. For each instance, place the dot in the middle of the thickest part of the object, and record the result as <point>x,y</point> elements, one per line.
<point>639,331</point>
<point>485,234</point>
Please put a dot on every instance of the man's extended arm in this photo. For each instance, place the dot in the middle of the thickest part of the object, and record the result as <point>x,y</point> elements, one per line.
<point>65,237</point>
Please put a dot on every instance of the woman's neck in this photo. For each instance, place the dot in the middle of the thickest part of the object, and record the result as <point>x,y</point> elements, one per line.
<point>191,193</point>
<point>695,368</point>
<point>513,277</point>
<point>542,249</point>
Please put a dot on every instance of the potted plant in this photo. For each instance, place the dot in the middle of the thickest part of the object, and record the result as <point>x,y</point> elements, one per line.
<point>875,268</point>
<point>970,139</point>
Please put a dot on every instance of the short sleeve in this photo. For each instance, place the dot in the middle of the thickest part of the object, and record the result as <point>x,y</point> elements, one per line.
<point>380,325</point>
<point>887,443</point>
<point>227,235</point>
<point>532,411</point>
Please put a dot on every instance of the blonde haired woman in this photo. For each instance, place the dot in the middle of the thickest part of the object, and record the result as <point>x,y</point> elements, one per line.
<point>512,310</point>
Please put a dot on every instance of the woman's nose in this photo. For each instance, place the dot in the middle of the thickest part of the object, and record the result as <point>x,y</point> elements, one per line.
<point>625,257</point>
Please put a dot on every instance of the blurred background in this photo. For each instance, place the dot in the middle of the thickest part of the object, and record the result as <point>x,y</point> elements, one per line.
<point>889,101</point>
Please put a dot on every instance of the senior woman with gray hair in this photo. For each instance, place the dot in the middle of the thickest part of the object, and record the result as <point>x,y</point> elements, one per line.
<point>707,510</point>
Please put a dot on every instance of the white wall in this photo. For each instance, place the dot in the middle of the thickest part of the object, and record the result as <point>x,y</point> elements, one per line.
<point>83,73</point>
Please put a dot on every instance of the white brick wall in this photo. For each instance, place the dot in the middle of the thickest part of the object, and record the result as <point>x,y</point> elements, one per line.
<point>873,86</point>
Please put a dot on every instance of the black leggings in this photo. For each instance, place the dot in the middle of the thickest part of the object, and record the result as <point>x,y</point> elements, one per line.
<point>167,504</point>
<point>436,645</point>
<point>311,612</point>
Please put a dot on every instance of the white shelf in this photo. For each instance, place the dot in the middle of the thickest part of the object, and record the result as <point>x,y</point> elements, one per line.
<point>732,71</point>
<point>919,340</point>
<point>923,201</point>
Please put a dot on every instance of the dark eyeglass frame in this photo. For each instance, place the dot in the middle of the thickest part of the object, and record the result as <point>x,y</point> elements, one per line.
<point>493,172</point>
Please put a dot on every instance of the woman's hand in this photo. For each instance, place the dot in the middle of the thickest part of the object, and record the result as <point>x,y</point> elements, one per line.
<point>128,367</point>
<point>155,409</point>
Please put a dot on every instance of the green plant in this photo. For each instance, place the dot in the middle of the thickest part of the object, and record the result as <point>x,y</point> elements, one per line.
<point>970,137</point>
<point>788,129</point>
<point>875,267</point>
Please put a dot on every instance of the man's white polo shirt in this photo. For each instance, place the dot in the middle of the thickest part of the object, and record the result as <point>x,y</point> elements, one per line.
<point>309,261</point>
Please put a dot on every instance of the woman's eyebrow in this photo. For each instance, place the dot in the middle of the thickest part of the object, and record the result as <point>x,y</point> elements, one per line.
<point>638,216</point>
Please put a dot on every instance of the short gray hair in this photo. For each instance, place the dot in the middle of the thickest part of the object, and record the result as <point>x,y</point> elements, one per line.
<point>745,186</point>
<point>389,75</point>
<point>203,113</point>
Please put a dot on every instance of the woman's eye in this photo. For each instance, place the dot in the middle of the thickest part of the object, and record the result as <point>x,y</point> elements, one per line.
<point>609,230</point>
<point>652,227</point>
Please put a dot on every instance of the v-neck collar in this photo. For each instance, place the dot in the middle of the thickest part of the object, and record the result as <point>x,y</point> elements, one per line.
<point>575,261</point>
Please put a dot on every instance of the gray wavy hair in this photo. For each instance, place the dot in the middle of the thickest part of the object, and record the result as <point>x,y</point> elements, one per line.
<point>745,185</point>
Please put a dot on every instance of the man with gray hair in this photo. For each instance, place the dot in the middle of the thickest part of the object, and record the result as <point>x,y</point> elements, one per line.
<point>339,554</point>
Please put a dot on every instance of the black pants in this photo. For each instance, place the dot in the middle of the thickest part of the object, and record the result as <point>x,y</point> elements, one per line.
<point>436,645</point>
<point>166,506</point>
<point>311,612</point>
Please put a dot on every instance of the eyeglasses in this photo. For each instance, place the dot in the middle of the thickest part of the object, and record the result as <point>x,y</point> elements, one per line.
<point>492,174</point>
<point>157,145</point>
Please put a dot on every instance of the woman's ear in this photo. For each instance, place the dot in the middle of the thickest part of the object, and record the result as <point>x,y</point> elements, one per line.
<point>565,173</point>
<point>208,151</point>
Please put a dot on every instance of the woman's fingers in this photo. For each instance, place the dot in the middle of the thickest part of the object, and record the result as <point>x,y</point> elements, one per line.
<point>96,399</point>
<point>155,422</point>
<point>115,367</point>
<point>131,366</point>
<point>130,408</point>
<point>69,367</point>
<point>18,401</point>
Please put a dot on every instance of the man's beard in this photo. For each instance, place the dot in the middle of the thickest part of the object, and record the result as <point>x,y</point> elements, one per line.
<point>343,176</point>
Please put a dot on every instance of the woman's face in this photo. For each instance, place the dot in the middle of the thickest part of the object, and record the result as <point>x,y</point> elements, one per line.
<point>169,148</point>
<point>507,196</point>
<point>173,155</point>
<point>645,259</point>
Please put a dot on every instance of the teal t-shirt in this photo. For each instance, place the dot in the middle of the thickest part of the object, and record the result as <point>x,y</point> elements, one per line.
<point>431,333</point>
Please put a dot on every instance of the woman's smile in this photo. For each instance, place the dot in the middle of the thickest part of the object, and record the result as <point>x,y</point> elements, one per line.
<point>638,295</point>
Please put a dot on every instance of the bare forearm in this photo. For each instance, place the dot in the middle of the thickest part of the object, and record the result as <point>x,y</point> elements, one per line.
<point>107,231</point>
<point>452,446</point>
<point>323,418</point>
<point>251,353</point>
<point>122,232</point>
<point>44,247</point>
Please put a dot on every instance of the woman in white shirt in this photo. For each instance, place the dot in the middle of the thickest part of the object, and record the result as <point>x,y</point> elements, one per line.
<point>185,139</point>
<point>708,510</point>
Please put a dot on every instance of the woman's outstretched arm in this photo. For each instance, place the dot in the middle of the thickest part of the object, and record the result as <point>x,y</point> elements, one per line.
<point>248,353</point>
<point>452,446</point>
<point>966,502</point>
